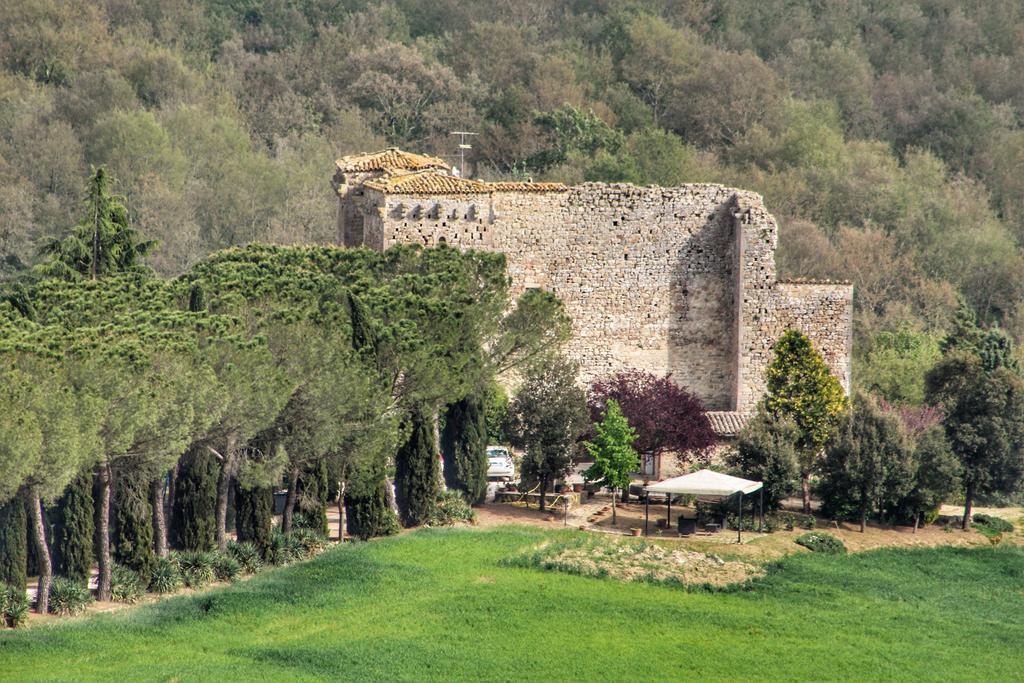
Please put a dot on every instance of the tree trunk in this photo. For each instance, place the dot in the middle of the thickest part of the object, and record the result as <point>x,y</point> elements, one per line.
<point>917,521</point>
<point>341,511</point>
<point>389,495</point>
<point>227,471</point>
<point>42,554</point>
<point>156,493</point>
<point>543,490</point>
<point>613,507</point>
<point>968,504</point>
<point>169,502</point>
<point>103,590</point>
<point>289,503</point>
<point>805,490</point>
<point>863,515</point>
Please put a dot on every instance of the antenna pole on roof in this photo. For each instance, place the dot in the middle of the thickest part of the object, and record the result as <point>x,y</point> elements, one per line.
<point>463,146</point>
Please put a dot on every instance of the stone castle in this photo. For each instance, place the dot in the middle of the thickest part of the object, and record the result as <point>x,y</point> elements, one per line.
<point>676,280</point>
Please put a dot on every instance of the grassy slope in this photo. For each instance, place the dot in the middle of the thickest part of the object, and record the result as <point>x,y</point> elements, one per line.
<point>437,605</point>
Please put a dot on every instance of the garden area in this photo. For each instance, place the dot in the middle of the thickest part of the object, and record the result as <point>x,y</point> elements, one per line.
<point>402,609</point>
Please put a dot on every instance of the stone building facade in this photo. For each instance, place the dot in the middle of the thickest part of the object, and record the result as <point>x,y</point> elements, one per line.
<point>678,280</point>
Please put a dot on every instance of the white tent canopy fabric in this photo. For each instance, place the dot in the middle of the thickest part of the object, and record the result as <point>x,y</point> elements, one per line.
<point>705,483</point>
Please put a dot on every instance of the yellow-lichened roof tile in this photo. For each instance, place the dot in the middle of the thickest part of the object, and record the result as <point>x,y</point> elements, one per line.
<point>507,186</point>
<point>391,159</point>
<point>431,182</point>
<point>427,182</point>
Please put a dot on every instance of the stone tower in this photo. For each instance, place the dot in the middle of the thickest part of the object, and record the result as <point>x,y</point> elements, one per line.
<point>676,280</point>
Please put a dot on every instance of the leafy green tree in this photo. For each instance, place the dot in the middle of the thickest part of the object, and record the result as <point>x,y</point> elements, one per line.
<point>868,459</point>
<point>612,451</point>
<point>13,543</point>
<point>416,472</point>
<point>984,423</point>
<point>936,476</point>
<point>464,445</point>
<point>547,417</point>
<point>801,387</point>
<point>74,529</point>
<point>895,366</point>
<point>767,451</point>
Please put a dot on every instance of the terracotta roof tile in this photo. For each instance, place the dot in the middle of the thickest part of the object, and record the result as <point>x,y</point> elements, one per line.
<point>430,182</point>
<point>391,159</point>
<point>506,186</point>
<point>812,281</point>
<point>727,423</point>
<point>427,182</point>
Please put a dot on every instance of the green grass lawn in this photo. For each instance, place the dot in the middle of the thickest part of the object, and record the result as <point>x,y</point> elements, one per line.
<point>438,605</point>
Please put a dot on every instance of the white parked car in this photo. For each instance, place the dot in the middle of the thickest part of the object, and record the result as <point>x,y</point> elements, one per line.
<point>500,464</point>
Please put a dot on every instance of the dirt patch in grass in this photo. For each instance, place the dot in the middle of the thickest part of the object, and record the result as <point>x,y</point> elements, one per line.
<point>647,562</point>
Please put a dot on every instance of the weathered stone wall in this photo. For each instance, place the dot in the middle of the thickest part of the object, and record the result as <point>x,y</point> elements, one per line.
<point>767,307</point>
<point>678,280</point>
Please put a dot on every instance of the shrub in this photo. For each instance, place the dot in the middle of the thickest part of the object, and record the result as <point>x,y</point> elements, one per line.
<point>808,522</point>
<point>226,567</point>
<point>822,543</point>
<point>196,568</point>
<point>125,584</point>
<point>451,508</point>
<point>166,576</point>
<point>284,548</point>
<point>247,556</point>
<point>997,524</point>
<point>13,606</point>
<point>68,597</point>
<point>310,541</point>
<point>368,513</point>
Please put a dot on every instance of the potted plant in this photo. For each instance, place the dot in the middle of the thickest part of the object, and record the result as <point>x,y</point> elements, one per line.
<point>636,531</point>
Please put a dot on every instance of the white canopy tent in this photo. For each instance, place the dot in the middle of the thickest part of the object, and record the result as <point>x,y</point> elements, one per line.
<point>709,485</point>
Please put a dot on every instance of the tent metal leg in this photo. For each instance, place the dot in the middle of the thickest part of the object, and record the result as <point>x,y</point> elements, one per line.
<point>647,514</point>
<point>668,522</point>
<point>739,526</point>
<point>760,509</point>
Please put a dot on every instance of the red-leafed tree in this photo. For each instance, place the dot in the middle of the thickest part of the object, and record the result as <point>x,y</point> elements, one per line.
<point>666,417</point>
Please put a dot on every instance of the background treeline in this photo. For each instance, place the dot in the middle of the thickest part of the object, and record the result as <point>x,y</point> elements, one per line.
<point>885,135</point>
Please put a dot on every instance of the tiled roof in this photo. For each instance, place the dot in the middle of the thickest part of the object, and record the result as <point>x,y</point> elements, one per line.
<point>391,159</point>
<point>727,423</point>
<point>427,182</point>
<point>812,281</point>
<point>506,186</point>
<point>430,182</point>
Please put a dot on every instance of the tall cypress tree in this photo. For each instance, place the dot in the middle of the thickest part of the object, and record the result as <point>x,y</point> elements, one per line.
<point>464,444</point>
<point>73,530</point>
<point>312,495</point>
<point>367,511</point>
<point>133,527</point>
<point>195,501</point>
<point>14,543</point>
<point>416,473</point>
<point>254,514</point>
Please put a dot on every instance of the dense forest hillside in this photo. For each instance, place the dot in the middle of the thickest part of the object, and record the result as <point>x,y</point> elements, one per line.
<point>885,134</point>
